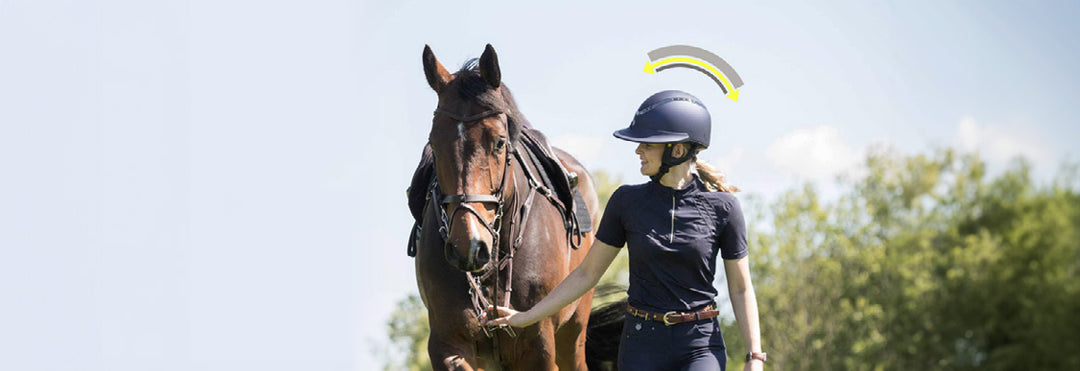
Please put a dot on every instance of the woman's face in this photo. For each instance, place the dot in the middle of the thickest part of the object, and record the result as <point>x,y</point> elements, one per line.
<point>650,155</point>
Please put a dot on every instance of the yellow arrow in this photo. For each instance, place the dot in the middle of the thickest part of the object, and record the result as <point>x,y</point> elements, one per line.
<point>650,67</point>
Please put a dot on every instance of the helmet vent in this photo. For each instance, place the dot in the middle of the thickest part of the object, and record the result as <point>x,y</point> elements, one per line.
<point>664,101</point>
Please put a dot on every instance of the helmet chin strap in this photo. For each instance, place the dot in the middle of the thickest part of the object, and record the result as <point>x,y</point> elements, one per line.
<point>667,161</point>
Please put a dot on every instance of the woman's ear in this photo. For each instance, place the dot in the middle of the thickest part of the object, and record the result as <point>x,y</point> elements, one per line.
<point>679,151</point>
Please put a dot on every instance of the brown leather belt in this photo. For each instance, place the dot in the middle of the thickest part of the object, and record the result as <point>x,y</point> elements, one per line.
<point>671,318</point>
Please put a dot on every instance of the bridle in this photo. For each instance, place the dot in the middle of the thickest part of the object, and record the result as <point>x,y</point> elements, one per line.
<point>456,202</point>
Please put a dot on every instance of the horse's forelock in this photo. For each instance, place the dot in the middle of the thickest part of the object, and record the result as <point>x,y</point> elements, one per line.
<point>471,87</point>
<point>464,90</point>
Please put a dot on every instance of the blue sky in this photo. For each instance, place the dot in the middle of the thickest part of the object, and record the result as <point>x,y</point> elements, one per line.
<point>220,185</point>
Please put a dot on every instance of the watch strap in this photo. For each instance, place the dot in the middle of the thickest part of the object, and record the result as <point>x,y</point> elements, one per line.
<point>755,355</point>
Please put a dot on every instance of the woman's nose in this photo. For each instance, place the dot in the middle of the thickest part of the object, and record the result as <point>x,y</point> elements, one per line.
<point>640,148</point>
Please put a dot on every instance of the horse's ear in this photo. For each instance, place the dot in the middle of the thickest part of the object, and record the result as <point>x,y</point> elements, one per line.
<point>489,67</point>
<point>437,75</point>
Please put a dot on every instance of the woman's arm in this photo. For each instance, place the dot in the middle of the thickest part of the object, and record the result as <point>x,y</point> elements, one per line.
<point>583,278</point>
<point>744,302</point>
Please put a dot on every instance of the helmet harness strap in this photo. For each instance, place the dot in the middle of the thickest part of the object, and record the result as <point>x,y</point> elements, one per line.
<point>667,161</point>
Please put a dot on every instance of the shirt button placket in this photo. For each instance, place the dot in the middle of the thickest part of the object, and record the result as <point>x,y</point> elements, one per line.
<point>671,237</point>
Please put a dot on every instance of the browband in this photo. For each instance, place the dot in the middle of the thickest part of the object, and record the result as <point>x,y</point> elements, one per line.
<point>469,118</point>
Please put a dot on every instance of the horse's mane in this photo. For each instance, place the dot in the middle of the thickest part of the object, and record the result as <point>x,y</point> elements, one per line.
<point>471,87</point>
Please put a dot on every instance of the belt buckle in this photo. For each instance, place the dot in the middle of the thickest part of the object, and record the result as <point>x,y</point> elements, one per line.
<point>665,318</point>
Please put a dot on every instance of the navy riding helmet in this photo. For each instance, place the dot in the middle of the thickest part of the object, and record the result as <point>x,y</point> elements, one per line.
<point>670,116</point>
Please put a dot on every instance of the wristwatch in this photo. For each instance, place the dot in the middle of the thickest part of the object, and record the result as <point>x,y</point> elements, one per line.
<point>754,355</point>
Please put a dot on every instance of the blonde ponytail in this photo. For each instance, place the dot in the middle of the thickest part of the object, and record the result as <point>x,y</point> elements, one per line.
<point>713,178</point>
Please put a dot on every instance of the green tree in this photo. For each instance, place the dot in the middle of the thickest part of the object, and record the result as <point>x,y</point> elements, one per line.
<point>408,331</point>
<point>924,263</point>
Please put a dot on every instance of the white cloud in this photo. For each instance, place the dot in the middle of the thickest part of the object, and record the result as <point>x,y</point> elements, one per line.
<point>816,153</point>
<point>998,144</point>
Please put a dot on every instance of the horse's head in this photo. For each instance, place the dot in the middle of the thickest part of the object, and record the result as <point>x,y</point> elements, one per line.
<point>471,137</point>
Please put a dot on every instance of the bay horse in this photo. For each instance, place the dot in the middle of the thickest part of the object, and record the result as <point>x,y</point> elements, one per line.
<point>484,216</point>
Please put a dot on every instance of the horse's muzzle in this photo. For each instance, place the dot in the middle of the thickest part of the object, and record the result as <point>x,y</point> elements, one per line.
<point>478,256</point>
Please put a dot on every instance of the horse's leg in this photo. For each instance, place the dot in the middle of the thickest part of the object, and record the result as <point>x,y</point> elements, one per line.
<point>446,355</point>
<point>570,338</point>
<point>534,352</point>
<point>570,345</point>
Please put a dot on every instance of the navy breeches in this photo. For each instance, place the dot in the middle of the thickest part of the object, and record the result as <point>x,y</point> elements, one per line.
<point>651,345</point>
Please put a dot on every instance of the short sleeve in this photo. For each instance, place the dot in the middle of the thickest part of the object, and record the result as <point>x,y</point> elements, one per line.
<point>732,235</point>
<point>612,230</point>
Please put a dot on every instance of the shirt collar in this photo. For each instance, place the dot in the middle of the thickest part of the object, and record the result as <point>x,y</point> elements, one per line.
<point>694,186</point>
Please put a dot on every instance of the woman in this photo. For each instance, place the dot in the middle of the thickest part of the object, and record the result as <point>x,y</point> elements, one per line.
<point>674,226</point>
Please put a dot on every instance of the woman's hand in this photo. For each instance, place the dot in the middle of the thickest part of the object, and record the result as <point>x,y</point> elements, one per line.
<point>507,316</point>
<point>754,365</point>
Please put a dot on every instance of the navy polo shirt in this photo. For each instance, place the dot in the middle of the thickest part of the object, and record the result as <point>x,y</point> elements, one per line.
<point>673,237</point>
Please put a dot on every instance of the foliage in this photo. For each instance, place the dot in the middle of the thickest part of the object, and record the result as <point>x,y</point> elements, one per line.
<point>925,263</point>
<point>408,329</point>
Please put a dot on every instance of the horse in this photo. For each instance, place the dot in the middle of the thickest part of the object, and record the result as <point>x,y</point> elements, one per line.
<point>488,235</point>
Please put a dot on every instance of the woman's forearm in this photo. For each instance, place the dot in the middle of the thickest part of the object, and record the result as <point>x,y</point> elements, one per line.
<point>570,289</point>
<point>744,303</point>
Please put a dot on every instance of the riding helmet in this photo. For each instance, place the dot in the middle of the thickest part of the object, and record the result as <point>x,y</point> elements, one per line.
<point>670,116</point>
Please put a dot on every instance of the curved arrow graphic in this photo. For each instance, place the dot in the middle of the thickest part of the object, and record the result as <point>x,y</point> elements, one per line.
<point>698,59</point>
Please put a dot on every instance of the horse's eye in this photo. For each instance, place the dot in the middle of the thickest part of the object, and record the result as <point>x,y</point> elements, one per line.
<point>499,144</point>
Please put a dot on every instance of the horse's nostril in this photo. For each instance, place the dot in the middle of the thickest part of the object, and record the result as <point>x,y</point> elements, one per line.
<point>451,254</point>
<point>483,254</point>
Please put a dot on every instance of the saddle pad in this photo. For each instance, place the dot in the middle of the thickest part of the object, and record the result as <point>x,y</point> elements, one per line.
<point>581,209</point>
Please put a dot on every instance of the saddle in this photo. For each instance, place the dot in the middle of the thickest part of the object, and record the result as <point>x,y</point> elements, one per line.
<point>560,185</point>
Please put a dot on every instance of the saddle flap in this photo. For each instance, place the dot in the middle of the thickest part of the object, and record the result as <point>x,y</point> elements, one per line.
<point>557,179</point>
<point>552,172</point>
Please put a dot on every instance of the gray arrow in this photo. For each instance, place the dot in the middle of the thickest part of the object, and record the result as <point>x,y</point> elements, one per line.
<point>702,54</point>
<point>696,67</point>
